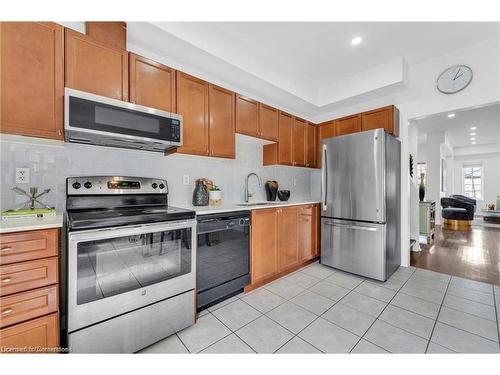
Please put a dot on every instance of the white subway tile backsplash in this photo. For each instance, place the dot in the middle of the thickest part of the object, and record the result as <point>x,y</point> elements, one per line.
<point>52,162</point>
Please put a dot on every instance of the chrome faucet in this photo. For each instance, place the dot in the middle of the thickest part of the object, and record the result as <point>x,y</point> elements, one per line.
<point>247,194</point>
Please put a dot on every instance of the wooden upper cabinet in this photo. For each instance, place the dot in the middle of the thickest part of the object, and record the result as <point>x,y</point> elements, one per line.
<point>192,104</point>
<point>327,129</point>
<point>348,124</point>
<point>285,136</point>
<point>311,146</point>
<point>113,34</point>
<point>268,122</point>
<point>247,116</point>
<point>386,117</point>
<point>299,142</point>
<point>288,253</point>
<point>32,79</point>
<point>264,239</point>
<point>95,67</point>
<point>221,122</point>
<point>151,84</point>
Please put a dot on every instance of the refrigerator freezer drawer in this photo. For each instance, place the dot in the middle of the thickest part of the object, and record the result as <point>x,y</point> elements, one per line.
<point>354,247</point>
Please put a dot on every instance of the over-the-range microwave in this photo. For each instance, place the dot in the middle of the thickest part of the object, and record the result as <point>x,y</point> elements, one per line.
<point>98,120</point>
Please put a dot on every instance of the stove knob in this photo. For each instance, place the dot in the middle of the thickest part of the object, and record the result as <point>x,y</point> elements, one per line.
<point>154,185</point>
<point>76,185</point>
<point>88,185</point>
<point>162,186</point>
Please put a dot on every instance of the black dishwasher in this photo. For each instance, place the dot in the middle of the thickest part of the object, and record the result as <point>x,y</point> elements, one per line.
<point>223,256</point>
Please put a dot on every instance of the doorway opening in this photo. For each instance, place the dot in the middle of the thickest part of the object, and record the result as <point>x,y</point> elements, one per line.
<point>455,193</point>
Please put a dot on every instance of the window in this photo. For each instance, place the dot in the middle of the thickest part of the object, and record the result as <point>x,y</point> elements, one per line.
<point>473,181</point>
<point>422,169</point>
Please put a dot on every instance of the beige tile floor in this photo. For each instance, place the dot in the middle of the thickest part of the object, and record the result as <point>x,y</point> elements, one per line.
<point>322,310</point>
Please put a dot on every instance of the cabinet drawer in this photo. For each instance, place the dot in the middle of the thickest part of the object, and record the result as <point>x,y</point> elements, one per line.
<point>20,307</point>
<point>23,246</point>
<point>42,332</point>
<point>20,277</point>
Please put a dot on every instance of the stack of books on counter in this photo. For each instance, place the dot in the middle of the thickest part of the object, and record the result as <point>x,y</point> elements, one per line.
<point>35,214</point>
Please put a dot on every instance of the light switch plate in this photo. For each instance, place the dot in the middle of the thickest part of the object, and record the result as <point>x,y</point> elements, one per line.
<point>185,179</point>
<point>22,175</point>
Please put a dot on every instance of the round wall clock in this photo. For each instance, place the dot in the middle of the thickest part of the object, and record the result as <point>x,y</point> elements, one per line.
<point>454,79</point>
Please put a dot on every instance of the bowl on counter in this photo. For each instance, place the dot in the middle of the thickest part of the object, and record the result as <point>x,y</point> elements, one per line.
<point>283,195</point>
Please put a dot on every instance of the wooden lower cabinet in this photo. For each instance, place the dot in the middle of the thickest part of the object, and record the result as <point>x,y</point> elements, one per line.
<point>23,246</point>
<point>282,240</point>
<point>264,244</point>
<point>288,250</point>
<point>308,232</point>
<point>40,333</point>
<point>29,291</point>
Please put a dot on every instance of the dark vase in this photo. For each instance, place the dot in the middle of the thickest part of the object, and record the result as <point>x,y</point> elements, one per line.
<point>200,194</point>
<point>271,190</point>
<point>421,188</point>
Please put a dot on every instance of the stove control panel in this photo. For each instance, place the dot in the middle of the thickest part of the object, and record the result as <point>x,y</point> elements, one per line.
<point>111,185</point>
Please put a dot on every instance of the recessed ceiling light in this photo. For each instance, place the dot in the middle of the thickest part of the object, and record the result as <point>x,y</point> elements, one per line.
<point>473,127</point>
<point>451,115</point>
<point>472,133</point>
<point>473,143</point>
<point>356,40</point>
<point>473,139</point>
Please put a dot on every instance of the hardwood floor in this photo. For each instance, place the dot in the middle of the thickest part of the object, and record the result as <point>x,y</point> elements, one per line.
<point>473,254</point>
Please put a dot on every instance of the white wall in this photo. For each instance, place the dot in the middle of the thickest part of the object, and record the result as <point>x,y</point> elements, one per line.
<point>50,162</point>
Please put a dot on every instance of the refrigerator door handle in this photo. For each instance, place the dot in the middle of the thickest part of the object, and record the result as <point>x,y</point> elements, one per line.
<point>324,178</point>
<point>350,226</point>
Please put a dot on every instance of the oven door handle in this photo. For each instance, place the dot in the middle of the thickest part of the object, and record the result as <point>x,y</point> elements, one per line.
<point>102,233</point>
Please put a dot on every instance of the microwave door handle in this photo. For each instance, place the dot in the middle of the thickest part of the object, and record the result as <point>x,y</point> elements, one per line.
<point>324,179</point>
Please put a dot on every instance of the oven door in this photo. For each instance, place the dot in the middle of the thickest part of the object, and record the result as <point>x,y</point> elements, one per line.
<point>116,270</point>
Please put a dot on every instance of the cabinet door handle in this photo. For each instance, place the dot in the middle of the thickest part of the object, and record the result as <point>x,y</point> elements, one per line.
<point>5,249</point>
<point>6,311</point>
<point>6,280</point>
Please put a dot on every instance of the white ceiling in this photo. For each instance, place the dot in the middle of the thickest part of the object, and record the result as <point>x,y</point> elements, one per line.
<point>308,58</point>
<point>457,129</point>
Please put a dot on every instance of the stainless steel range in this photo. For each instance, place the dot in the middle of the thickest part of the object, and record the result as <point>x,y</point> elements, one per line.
<point>131,264</point>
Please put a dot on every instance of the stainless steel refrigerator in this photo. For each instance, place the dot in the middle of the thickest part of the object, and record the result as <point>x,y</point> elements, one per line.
<point>361,198</point>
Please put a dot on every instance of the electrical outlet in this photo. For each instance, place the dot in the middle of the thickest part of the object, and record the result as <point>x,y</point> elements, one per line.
<point>185,179</point>
<point>22,175</point>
